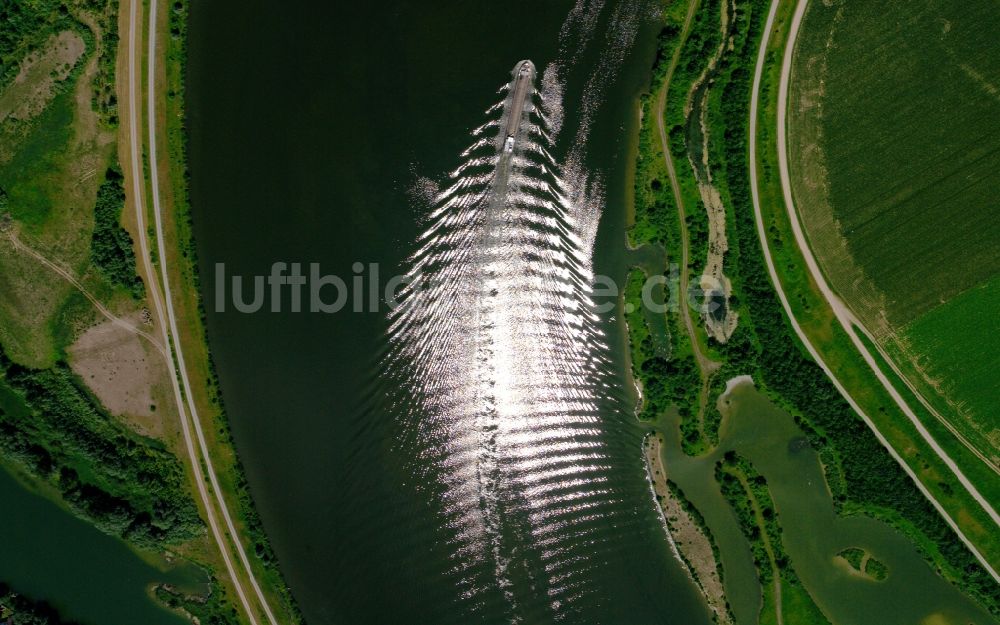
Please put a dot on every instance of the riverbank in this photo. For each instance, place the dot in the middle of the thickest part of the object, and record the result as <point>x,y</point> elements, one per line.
<point>200,378</point>
<point>65,266</point>
<point>686,531</point>
<point>762,345</point>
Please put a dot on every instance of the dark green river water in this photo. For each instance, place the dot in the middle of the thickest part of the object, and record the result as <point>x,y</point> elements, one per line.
<point>312,126</point>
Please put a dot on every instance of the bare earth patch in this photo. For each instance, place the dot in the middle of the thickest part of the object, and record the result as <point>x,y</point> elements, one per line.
<point>713,280</point>
<point>123,371</point>
<point>938,619</point>
<point>40,72</point>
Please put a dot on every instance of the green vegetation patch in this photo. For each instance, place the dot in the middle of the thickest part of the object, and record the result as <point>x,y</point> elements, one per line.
<point>876,569</point>
<point>861,474</point>
<point>685,131</point>
<point>668,378</point>
<point>755,513</point>
<point>894,170</point>
<point>18,609</point>
<point>798,607</point>
<point>105,99</point>
<point>111,245</point>
<point>873,482</point>
<point>865,563</point>
<point>213,609</point>
<point>747,493</point>
<point>49,156</point>
<point>854,556</point>
<point>26,24</point>
<point>34,177</point>
<point>126,485</point>
<point>655,219</point>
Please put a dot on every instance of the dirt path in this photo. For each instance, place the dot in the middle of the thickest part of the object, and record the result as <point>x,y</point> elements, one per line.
<point>706,365</point>
<point>178,352</point>
<point>163,257</point>
<point>66,275</point>
<point>839,309</point>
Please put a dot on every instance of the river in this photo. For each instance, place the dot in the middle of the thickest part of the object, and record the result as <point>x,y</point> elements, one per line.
<point>479,464</point>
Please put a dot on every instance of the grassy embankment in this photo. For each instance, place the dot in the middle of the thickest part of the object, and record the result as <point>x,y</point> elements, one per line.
<point>747,493</point>
<point>670,375</point>
<point>861,474</point>
<point>873,483</point>
<point>183,275</point>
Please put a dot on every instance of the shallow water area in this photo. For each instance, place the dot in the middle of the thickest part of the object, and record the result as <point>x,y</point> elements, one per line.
<point>812,533</point>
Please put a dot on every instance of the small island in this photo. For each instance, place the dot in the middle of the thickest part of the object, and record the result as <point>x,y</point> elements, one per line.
<point>864,563</point>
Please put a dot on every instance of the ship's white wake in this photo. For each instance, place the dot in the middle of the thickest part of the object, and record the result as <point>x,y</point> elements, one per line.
<point>504,366</point>
<point>498,364</point>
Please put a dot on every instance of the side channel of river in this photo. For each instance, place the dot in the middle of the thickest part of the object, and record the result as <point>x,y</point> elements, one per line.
<point>46,553</point>
<point>812,532</point>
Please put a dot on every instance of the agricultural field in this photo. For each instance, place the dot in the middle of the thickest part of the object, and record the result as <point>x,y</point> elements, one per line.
<point>949,345</point>
<point>894,169</point>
